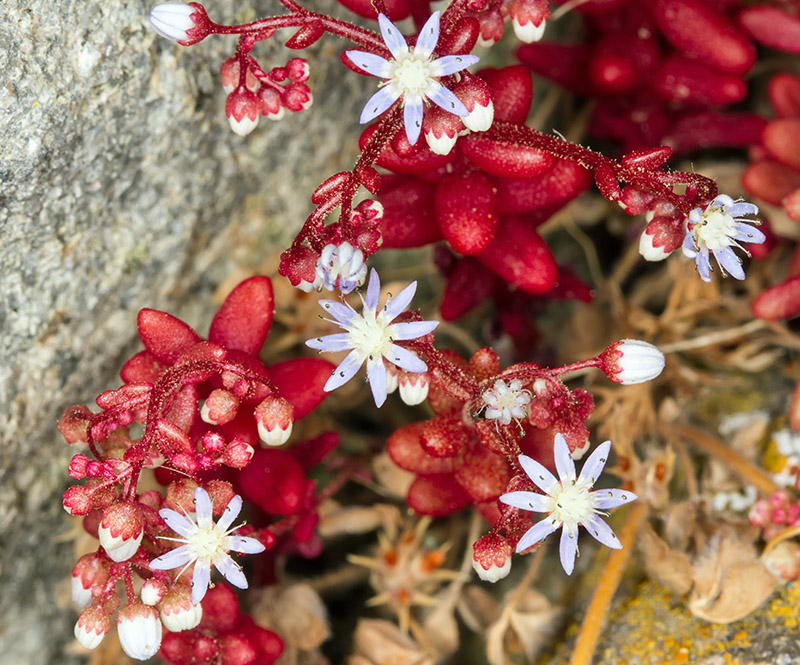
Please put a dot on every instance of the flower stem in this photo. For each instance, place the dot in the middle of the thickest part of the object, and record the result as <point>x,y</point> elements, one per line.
<point>604,593</point>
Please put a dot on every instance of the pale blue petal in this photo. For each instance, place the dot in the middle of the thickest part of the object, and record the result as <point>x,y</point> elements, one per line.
<point>331,343</point>
<point>392,36</point>
<point>729,262</point>
<point>696,216</point>
<point>450,64</point>
<point>540,476</point>
<point>428,36</point>
<point>607,499</point>
<point>748,233</point>
<point>172,559</point>
<point>595,464</point>
<point>369,62</point>
<point>412,117</point>
<point>202,509</point>
<point>181,525</point>
<point>231,571</point>
<point>398,304</point>
<point>703,266</point>
<point>743,208</point>
<point>537,532</point>
<point>721,200</point>
<point>378,103</point>
<point>200,581</point>
<point>564,464</point>
<point>527,501</point>
<point>230,513</point>
<point>376,372</point>
<point>343,314</point>
<point>443,97</point>
<point>344,372</point>
<point>405,359</point>
<point>373,290</point>
<point>244,545</point>
<point>412,329</point>
<point>601,532</point>
<point>568,550</point>
<point>688,245</point>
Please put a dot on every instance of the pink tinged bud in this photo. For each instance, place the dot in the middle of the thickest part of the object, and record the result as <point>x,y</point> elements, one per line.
<point>179,22</point>
<point>662,236</point>
<point>153,591</point>
<point>77,466</point>
<point>783,560</point>
<point>491,557</point>
<point>238,454</point>
<point>392,377</point>
<point>78,500</point>
<point>441,130</point>
<point>139,631</point>
<point>91,570</point>
<point>275,417</point>
<point>648,248</point>
<point>413,387</point>
<point>177,611</point>
<point>632,361</point>
<point>220,407</point>
<point>92,626</point>
<point>528,32</point>
<point>242,109</point>
<point>121,530</point>
<point>298,70</point>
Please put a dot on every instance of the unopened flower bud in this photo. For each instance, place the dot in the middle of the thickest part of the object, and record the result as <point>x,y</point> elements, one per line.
<point>297,69</point>
<point>153,592</point>
<point>91,570</point>
<point>92,626</point>
<point>177,611</point>
<point>238,454</point>
<point>219,408</point>
<point>529,18</point>
<point>213,443</point>
<point>179,22</point>
<point>275,417</point>
<point>491,557</point>
<point>242,109</point>
<point>476,96</point>
<point>392,377</point>
<point>413,387</point>
<point>139,631</point>
<point>121,530</point>
<point>77,500</point>
<point>341,266</point>
<point>632,361</point>
<point>77,466</point>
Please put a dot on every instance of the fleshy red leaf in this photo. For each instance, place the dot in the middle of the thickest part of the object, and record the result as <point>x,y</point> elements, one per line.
<point>164,335</point>
<point>300,382</point>
<point>436,495</point>
<point>141,368</point>
<point>243,320</point>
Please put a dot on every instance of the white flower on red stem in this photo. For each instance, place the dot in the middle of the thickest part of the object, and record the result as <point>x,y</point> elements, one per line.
<point>506,401</point>
<point>569,501</point>
<point>139,630</point>
<point>179,22</point>
<point>411,74</point>
<point>206,544</point>
<point>631,361</point>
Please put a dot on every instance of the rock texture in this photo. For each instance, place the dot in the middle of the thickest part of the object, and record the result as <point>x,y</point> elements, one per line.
<point>122,187</point>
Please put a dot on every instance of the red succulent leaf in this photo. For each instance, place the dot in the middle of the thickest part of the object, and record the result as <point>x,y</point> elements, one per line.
<point>548,192</point>
<point>782,139</point>
<point>512,91</point>
<point>408,219</point>
<point>680,79</point>
<point>142,368</point>
<point>772,27</point>
<point>483,474</point>
<point>311,452</point>
<point>405,449</point>
<point>436,495</point>
<point>564,64</point>
<point>466,210</point>
<point>770,181</point>
<point>300,382</point>
<point>506,159</point>
<point>244,319</point>
<point>274,481</point>
<point>397,9</point>
<point>164,335</point>
<point>779,302</point>
<point>783,91</point>
<point>468,285</point>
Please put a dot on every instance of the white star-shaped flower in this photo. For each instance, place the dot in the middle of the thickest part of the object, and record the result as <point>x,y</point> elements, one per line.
<point>718,229</point>
<point>370,337</point>
<point>569,501</point>
<point>506,401</point>
<point>206,544</point>
<point>411,74</point>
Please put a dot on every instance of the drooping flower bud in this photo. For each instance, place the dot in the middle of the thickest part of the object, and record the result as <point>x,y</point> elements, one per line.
<point>219,408</point>
<point>632,361</point>
<point>242,109</point>
<point>121,530</point>
<point>529,19</point>
<point>413,387</point>
<point>177,611</point>
<point>341,266</point>
<point>92,626</point>
<point>78,500</point>
<point>153,591</point>
<point>275,417</point>
<point>139,631</point>
<point>491,557</point>
<point>179,22</point>
<point>90,570</point>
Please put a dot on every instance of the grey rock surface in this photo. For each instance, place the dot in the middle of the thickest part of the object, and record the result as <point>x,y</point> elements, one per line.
<point>121,187</point>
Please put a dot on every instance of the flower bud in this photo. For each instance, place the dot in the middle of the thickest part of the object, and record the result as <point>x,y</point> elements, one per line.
<point>441,129</point>
<point>413,387</point>
<point>275,417</point>
<point>242,109</point>
<point>491,557</point>
<point>77,500</point>
<point>631,361</point>
<point>179,22</point>
<point>153,591</point>
<point>341,266</point>
<point>121,530</point>
<point>77,466</point>
<point>90,570</point>
<point>219,408</point>
<point>238,454</point>
<point>177,611</point>
<point>139,631</point>
<point>529,19</point>
<point>92,626</point>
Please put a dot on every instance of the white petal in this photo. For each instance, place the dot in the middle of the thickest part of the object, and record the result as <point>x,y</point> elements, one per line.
<point>172,559</point>
<point>443,97</point>
<point>392,36</point>
<point>200,581</point>
<point>450,64</point>
<point>568,549</point>
<point>376,371</point>
<point>181,525</point>
<point>378,103</point>
<point>398,304</point>
<point>607,499</point>
<point>202,509</point>
<point>428,36</point>
<point>537,532</point>
<point>369,62</point>
<point>528,501</point>
<point>564,464</point>
<point>412,118</point>
<point>405,359</point>
<point>230,513</point>
<point>244,545</point>
<point>594,466</point>
<point>540,476</point>
<point>603,533</point>
<point>345,371</point>
<point>230,571</point>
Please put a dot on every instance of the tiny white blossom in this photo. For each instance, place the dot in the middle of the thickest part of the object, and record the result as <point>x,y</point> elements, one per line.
<point>342,266</point>
<point>206,544</point>
<point>411,74</point>
<point>528,33</point>
<point>370,337</point>
<point>717,230</point>
<point>139,630</point>
<point>569,501</point>
<point>173,20</point>
<point>506,401</point>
